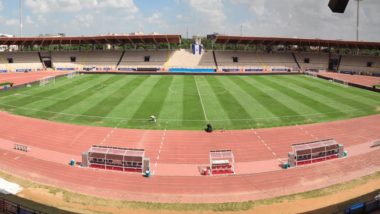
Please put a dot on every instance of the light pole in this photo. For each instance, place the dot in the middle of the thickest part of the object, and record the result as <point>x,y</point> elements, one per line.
<point>20,11</point>
<point>357,20</point>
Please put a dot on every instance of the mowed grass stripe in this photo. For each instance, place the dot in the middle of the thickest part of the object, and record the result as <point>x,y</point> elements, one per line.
<point>232,105</point>
<point>48,92</point>
<point>245,100</point>
<point>63,95</point>
<point>134,98</point>
<point>214,109</point>
<point>282,97</point>
<point>172,111</point>
<point>256,109</point>
<point>337,97</point>
<point>326,99</point>
<point>111,98</point>
<point>59,106</point>
<point>192,116</point>
<point>357,94</point>
<point>316,105</point>
<point>153,102</point>
<point>284,113</point>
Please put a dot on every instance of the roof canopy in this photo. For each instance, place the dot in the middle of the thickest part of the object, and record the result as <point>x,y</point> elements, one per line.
<point>222,39</point>
<point>101,40</point>
<point>221,154</point>
<point>109,150</point>
<point>314,145</point>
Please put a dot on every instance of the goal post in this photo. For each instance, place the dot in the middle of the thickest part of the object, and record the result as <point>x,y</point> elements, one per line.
<point>72,74</point>
<point>47,80</point>
<point>312,74</point>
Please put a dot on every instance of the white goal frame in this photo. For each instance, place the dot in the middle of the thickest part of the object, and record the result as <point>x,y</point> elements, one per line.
<point>72,74</point>
<point>47,80</point>
<point>314,75</point>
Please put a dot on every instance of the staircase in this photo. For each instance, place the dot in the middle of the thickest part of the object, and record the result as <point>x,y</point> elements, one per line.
<point>121,59</point>
<point>183,58</point>
<point>42,62</point>
<point>215,61</point>
<point>295,59</point>
<point>339,61</point>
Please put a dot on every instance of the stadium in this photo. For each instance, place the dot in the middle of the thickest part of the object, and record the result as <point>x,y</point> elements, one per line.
<point>221,121</point>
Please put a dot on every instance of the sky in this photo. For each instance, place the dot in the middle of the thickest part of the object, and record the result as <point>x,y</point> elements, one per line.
<point>268,18</point>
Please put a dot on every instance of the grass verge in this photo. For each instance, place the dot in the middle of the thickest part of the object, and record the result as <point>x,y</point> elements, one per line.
<point>79,201</point>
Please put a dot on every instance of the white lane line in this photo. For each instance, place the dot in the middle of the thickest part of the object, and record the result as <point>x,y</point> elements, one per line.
<point>200,97</point>
<point>307,132</point>
<point>159,151</point>
<point>110,133</point>
<point>266,145</point>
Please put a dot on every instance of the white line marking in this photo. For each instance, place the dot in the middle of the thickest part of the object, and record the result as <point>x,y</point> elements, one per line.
<point>266,145</point>
<point>110,133</point>
<point>200,97</point>
<point>159,151</point>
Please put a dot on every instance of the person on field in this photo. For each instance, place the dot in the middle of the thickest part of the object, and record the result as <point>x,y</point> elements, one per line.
<point>153,118</point>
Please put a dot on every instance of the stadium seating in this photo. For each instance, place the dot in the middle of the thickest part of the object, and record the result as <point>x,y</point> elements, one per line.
<point>316,60</point>
<point>136,59</point>
<point>359,64</point>
<point>22,61</point>
<point>207,60</point>
<point>249,59</point>
<point>102,60</point>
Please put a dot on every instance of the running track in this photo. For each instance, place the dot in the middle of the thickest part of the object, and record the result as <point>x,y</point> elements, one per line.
<point>23,78</point>
<point>178,155</point>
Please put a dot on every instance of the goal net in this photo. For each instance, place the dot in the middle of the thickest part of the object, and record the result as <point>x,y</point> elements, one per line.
<point>311,74</point>
<point>72,74</point>
<point>47,80</point>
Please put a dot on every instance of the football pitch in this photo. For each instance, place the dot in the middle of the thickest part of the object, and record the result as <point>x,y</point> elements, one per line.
<point>190,102</point>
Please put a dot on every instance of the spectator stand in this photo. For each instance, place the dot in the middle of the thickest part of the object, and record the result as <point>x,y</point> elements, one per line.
<point>115,158</point>
<point>222,162</point>
<point>313,152</point>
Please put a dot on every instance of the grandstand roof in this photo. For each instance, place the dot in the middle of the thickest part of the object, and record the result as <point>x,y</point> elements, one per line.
<point>223,39</point>
<point>112,39</point>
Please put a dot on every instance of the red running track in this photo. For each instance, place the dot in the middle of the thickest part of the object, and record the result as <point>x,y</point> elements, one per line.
<point>357,79</point>
<point>184,151</point>
<point>22,78</point>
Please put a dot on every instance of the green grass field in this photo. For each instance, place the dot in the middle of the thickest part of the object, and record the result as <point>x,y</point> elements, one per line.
<point>189,102</point>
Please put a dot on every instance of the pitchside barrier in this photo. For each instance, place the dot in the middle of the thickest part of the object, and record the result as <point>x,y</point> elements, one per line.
<point>116,158</point>
<point>313,152</point>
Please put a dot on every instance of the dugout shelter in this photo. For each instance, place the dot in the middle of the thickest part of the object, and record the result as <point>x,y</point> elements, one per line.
<point>315,151</point>
<point>116,158</point>
<point>222,162</point>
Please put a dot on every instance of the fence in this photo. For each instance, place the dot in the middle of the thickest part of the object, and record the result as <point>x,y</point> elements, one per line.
<point>9,207</point>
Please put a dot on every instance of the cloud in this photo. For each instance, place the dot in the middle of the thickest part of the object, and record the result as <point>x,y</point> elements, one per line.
<point>1,5</point>
<point>210,11</point>
<point>155,18</point>
<point>9,22</point>
<point>84,20</point>
<point>308,18</point>
<point>54,6</point>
